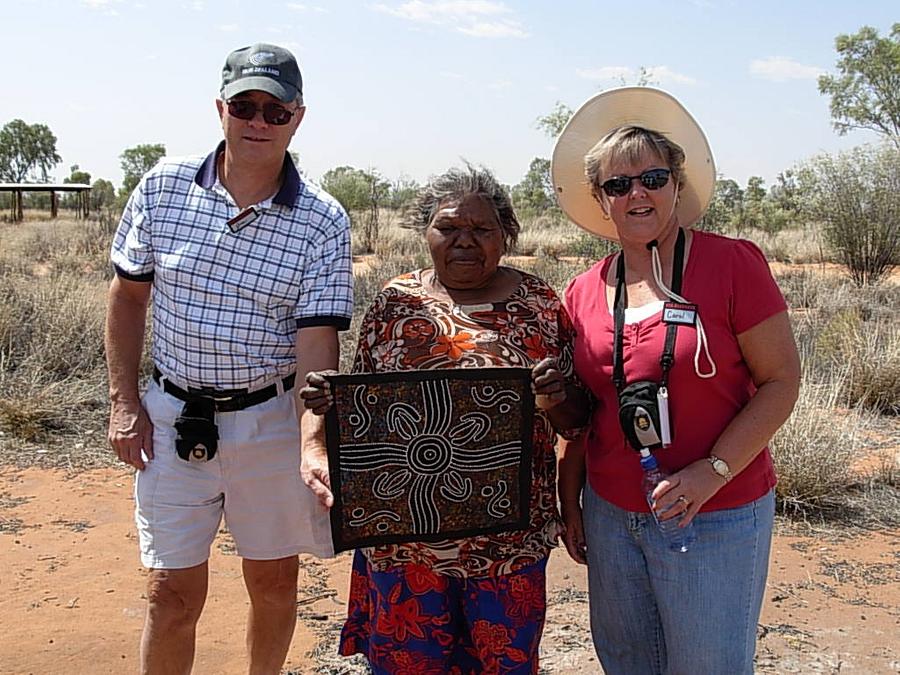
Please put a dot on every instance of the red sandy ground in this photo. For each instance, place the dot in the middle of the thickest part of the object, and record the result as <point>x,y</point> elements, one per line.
<point>71,593</point>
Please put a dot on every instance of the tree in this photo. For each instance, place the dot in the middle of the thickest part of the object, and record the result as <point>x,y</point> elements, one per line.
<point>361,193</point>
<point>103,195</point>
<point>866,92</point>
<point>553,123</point>
<point>534,196</point>
<point>856,197</point>
<point>348,185</point>
<point>75,200</point>
<point>26,152</point>
<point>136,162</point>
<point>726,208</point>
<point>403,191</point>
<point>754,196</point>
<point>76,175</point>
<point>785,193</point>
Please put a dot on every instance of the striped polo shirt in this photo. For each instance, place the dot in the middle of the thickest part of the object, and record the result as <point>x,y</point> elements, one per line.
<point>228,299</point>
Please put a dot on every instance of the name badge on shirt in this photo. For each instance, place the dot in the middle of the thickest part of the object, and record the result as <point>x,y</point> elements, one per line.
<point>679,313</point>
<point>243,219</point>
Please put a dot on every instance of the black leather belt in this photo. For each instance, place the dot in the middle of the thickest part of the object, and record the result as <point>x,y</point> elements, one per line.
<point>226,400</point>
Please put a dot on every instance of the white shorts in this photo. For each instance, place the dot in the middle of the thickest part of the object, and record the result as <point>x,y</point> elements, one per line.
<point>254,481</point>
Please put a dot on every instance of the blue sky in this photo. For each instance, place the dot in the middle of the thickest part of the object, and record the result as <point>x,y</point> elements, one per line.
<point>411,87</point>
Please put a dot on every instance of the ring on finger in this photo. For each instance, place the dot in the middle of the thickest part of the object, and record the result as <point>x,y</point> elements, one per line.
<point>684,501</point>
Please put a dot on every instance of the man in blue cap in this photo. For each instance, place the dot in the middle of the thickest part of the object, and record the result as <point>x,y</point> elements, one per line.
<point>248,268</point>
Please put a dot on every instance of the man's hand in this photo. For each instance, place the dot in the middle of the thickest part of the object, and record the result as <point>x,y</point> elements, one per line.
<point>317,351</point>
<point>314,471</point>
<point>316,394</point>
<point>130,431</point>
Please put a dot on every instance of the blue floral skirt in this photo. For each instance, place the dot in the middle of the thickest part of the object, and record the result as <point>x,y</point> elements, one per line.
<point>412,621</point>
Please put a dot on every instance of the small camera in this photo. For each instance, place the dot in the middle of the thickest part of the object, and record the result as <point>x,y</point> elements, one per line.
<point>198,435</point>
<point>199,453</point>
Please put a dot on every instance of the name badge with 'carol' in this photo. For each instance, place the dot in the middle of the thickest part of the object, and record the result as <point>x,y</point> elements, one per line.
<point>679,313</point>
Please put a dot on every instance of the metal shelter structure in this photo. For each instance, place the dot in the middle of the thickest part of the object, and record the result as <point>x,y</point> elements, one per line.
<point>17,189</point>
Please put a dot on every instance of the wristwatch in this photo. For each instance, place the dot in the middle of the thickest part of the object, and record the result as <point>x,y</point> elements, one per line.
<point>720,466</point>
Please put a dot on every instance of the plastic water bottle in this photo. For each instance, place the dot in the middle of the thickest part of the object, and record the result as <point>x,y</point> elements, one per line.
<point>678,538</point>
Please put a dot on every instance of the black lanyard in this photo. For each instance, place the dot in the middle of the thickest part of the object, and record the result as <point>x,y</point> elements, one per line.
<point>668,355</point>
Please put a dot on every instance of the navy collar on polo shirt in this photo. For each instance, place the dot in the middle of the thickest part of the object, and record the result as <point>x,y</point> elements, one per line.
<point>287,193</point>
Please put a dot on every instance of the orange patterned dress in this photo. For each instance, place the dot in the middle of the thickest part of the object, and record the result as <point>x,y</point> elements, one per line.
<point>406,328</point>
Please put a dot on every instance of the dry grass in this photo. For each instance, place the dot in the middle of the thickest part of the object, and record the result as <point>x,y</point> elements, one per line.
<point>53,403</point>
<point>814,450</point>
<point>547,237</point>
<point>64,245</point>
<point>53,278</point>
<point>796,245</point>
<point>52,372</point>
<point>51,325</point>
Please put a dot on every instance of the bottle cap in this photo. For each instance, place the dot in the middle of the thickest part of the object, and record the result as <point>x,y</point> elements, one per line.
<point>648,461</point>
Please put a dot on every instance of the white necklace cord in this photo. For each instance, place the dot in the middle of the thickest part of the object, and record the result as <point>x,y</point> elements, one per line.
<point>701,333</point>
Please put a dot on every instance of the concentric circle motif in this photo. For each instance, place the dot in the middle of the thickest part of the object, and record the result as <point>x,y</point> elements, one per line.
<point>429,454</point>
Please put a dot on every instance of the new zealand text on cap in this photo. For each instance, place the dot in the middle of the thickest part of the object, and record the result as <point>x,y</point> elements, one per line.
<point>262,67</point>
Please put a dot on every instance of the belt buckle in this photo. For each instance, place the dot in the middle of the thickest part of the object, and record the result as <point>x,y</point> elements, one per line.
<point>213,394</point>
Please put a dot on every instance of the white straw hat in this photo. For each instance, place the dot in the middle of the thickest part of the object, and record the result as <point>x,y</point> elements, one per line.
<point>645,107</point>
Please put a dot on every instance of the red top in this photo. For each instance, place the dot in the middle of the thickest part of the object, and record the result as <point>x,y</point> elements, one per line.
<point>730,282</point>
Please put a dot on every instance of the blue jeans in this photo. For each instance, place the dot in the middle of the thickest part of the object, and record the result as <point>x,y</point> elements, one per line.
<point>661,612</point>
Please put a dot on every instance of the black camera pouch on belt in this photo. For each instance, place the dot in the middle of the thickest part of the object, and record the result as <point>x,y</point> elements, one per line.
<point>198,435</point>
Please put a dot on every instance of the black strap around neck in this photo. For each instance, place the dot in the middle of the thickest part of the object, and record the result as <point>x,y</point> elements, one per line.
<point>621,302</point>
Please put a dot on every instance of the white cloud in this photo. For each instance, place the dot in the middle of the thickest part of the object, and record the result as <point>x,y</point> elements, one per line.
<point>661,74</point>
<point>227,27</point>
<point>302,7</point>
<point>666,74</point>
<point>782,69</point>
<point>478,18</point>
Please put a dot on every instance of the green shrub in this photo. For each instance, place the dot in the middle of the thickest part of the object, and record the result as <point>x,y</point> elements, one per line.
<point>855,195</point>
<point>592,248</point>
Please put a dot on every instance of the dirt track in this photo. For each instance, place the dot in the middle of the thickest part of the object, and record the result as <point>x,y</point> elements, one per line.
<point>71,594</point>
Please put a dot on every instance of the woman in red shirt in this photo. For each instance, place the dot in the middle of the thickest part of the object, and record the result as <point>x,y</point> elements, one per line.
<point>633,166</point>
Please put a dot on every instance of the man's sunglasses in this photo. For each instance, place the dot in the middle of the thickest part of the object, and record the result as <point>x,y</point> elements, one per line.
<point>273,113</point>
<point>653,179</point>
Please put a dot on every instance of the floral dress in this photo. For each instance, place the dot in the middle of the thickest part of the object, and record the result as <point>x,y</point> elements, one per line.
<point>408,329</point>
<point>476,604</point>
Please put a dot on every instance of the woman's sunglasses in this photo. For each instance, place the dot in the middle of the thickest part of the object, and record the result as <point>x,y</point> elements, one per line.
<point>273,113</point>
<point>653,179</point>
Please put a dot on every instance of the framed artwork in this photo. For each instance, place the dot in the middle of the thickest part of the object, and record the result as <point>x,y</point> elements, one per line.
<point>426,455</point>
